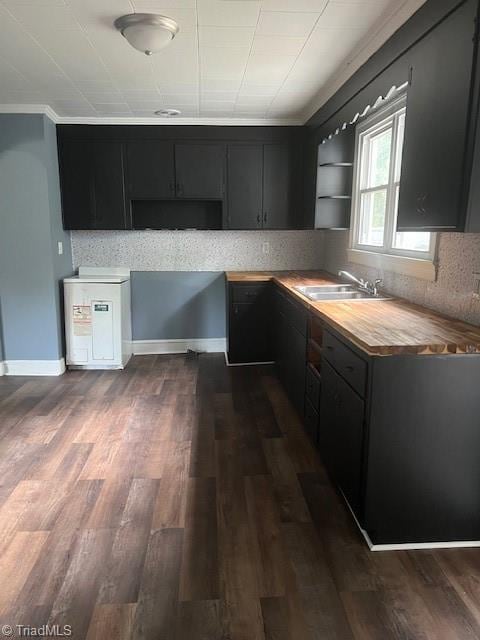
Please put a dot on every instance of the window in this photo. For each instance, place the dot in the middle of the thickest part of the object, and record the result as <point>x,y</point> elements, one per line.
<point>376,189</point>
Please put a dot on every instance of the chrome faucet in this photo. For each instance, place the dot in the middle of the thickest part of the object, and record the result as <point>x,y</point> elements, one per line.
<point>365,285</point>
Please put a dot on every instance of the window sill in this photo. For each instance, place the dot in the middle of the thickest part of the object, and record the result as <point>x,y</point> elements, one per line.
<point>423,269</point>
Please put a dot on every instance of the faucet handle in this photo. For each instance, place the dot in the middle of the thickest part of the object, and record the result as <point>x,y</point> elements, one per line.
<point>378,281</point>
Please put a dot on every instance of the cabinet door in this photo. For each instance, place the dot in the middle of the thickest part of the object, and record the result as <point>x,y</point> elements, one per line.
<point>200,171</point>
<point>244,186</point>
<point>150,169</point>
<point>92,185</point>
<point>109,190</point>
<point>249,337</point>
<point>436,125</point>
<point>276,186</point>
<point>341,434</point>
<point>296,363</point>
<point>76,184</point>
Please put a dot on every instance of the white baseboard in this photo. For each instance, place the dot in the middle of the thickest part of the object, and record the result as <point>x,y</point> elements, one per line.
<point>34,367</point>
<point>409,546</point>
<point>245,364</point>
<point>2,368</point>
<point>153,347</point>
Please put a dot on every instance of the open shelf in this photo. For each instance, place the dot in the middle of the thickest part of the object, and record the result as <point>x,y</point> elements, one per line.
<point>334,197</point>
<point>336,164</point>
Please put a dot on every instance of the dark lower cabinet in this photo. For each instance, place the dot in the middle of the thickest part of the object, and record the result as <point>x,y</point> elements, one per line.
<point>150,169</point>
<point>249,321</point>
<point>93,192</point>
<point>290,348</point>
<point>200,171</point>
<point>341,434</point>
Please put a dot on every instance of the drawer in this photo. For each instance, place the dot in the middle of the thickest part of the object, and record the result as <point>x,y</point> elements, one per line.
<point>312,387</point>
<point>247,292</point>
<point>350,366</point>
<point>311,421</point>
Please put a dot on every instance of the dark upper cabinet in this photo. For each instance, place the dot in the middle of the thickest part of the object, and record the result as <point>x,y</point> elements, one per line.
<point>93,194</point>
<point>245,186</point>
<point>200,171</point>
<point>150,169</point>
<point>438,104</point>
<point>77,185</point>
<point>258,186</point>
<point>276,186</point>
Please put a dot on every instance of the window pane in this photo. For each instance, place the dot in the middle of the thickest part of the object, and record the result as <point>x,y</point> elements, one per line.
<point>399,149</point>
<point>372,218</point>
<point>379,159</point>
<point>410,240</point>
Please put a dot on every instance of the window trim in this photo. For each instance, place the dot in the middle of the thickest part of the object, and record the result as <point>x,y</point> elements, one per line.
<point>407,262</point>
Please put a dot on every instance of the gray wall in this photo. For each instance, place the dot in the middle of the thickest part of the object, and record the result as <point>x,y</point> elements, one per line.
<point>178,304</point>
<point>30,225</point>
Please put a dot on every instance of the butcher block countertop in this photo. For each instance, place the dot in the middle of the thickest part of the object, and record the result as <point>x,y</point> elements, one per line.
<point>378,327</point>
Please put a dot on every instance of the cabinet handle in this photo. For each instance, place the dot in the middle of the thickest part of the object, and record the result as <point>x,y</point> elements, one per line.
<point>421,204</point>
<point>258,219</point>
<point>264,217</point>
<point>350,368</point>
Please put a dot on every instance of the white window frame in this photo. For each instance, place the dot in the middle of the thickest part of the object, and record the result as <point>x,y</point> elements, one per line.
<point>416,263</point>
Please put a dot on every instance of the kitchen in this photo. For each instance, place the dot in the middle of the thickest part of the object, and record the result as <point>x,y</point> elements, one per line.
<point>272,431</point>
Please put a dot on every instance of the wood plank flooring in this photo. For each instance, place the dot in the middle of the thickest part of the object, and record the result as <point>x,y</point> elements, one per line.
<point>181,500</point>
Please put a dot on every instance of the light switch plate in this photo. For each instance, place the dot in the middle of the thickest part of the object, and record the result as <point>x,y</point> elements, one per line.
<point>60,248</point>
<point>476,285</point>
<point>265,248</point>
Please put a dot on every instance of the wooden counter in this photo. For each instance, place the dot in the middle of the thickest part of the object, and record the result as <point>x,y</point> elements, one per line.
<point>378,327</point>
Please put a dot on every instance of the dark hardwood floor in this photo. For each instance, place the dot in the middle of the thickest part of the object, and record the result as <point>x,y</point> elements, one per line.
<point>180,500</point>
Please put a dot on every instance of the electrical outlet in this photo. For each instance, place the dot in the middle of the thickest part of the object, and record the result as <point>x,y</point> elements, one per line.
<point>265,248</point>
<point>60,248</point>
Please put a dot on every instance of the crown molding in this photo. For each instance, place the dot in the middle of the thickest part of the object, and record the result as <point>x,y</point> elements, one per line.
<point>41,109</point>
<point>46,110</point>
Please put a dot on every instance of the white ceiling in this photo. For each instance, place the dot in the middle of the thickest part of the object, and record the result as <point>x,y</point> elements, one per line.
<point>276,60</point>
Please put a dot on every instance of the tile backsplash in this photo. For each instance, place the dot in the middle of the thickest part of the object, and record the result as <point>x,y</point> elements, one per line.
<point>452,293</point>
<point>198,250</point>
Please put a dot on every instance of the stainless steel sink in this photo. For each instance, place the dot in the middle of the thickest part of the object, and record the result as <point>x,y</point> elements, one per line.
<point>336,292</point>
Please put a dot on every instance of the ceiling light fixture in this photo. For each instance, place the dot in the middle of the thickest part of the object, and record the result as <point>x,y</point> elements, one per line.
<point>147,32</point>
<point>167,113</point>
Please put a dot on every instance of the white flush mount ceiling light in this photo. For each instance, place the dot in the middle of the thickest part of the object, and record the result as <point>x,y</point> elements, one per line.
<point>167,113</point>
<point>147,32</point>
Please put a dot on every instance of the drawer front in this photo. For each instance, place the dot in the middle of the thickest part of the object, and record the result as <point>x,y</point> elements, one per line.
<point>312,387</point>
<point>247,292</point>
<point>350,366</point>
<point>311,421</point>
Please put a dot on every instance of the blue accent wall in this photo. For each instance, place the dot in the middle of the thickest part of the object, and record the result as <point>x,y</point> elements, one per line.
<point>169,305</point>
<point>30,226</point>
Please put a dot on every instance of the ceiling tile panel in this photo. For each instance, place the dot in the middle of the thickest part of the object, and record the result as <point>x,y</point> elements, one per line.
<point>286,23</point>
<point>231,58</point>
<point>226,36</point>
<point>234,13</point>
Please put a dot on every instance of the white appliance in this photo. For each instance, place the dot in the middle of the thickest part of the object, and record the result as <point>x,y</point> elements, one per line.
<point>98,323</point>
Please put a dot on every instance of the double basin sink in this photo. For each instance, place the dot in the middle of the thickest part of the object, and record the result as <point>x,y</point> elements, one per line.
<point>336,292</point>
